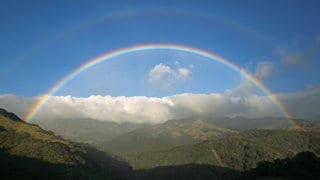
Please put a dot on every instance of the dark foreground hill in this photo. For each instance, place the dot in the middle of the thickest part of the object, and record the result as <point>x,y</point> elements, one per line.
<point>29,152</point>
<point>305,165</point>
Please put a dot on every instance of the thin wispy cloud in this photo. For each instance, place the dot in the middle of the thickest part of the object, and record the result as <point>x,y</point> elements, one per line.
<point>299,58</point>
<point>303,57</point>
<point>317,38</point>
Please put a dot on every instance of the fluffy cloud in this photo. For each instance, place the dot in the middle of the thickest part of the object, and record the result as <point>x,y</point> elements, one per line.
<point>142,109</point>
<point>165,77</point>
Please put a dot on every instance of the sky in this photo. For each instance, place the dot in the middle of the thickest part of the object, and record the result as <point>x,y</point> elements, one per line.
<point>278,42</point>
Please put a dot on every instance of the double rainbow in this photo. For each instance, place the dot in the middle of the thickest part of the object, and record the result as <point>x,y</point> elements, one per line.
<point>109,55</point>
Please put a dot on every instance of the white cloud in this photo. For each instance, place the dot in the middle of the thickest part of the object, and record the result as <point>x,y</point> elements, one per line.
<point>183,74</point>
<point>238,102</point>
<point>165,77</point>
<point>140,109</point>
<point>17,104</point>
<point>263,71</point>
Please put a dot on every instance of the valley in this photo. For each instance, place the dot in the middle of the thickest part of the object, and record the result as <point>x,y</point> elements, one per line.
<point>192,148</point>
<point>238,143</point>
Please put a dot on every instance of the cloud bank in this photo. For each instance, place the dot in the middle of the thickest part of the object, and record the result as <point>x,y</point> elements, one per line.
<point>140,109</point>
<point>241,101</point>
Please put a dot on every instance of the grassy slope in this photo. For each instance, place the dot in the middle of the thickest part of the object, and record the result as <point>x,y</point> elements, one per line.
<point>20,138</point>
<point>29,149</point>
<point>33,130</point>
<point>25,150</point>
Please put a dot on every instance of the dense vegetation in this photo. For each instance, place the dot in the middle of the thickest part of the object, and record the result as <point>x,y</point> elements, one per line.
<point>190,149</point>
<point>306,165</point>
<point>200,141</point>
<point>164,136</point>
<point>238,151</point>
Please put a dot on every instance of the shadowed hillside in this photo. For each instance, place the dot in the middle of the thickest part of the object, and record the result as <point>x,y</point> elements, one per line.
<point>27,150</point>
<point>305,165</point>
<point>187,172</point>
<point>21,167</point>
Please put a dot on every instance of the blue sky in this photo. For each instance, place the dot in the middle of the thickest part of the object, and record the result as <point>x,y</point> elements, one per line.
<point>42,41</point>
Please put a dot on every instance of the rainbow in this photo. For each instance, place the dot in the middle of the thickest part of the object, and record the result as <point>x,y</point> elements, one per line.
<point>109,55</point>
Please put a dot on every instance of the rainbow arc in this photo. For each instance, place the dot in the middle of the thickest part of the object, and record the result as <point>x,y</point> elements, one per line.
<point>112,54</point>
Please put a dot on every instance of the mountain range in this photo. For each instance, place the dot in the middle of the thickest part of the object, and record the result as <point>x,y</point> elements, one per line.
<point>89,131</point>
<point>190,148</point>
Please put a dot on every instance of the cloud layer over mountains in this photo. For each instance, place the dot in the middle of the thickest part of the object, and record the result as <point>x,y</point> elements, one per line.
<point>142,109</point>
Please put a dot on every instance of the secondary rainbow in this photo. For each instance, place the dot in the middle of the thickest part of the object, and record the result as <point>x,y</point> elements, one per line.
<point>109,55</point>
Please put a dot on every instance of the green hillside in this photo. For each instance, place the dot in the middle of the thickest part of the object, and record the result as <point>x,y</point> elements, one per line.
<point>164,136</point>
<point>190,149</point>
<point>195,140</point>
<point>238,151</point>
<point>186,131</point>
<point>29,150</point>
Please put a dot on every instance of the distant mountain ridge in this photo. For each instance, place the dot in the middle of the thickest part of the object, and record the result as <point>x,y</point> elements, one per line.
<point>136,141</point>
<point>173,133</point>
<point>89,131</point>
<point>98,132</point>
<point>170,134</point>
